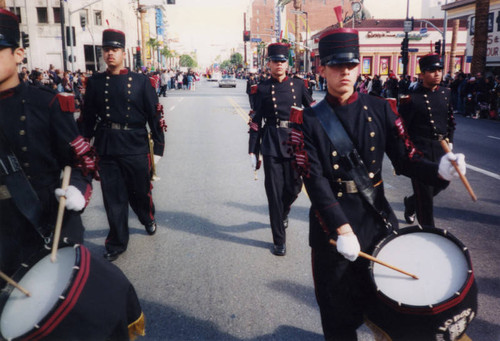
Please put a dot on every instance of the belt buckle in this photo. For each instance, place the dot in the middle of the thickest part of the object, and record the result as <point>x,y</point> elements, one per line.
<point>350,186</point>
<point>115,125</point>
<point>4,192</point>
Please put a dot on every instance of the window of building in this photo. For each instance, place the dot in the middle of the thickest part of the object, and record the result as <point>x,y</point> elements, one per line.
<point>41,13</point>
<point>265,2</point>
<point>258,12</point>
<point>98,18</point>
<point>57,14</point>
<point>16,11</point>
<point>258,21</point>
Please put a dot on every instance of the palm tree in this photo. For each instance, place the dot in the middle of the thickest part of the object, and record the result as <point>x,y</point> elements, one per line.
<point>153,44</point>
<point>480,36</point>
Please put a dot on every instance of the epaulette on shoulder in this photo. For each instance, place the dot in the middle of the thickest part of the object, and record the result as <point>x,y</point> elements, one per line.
<point>296,115</point>
<point>405,99</point>
<point>66,101</point>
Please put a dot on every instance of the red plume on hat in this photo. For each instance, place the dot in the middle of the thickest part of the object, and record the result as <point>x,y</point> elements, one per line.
<point>338,14</point>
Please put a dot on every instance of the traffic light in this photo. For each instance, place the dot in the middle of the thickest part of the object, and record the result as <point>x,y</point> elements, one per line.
<point>83,21</point>
<point>25,39</point>
<point>170,2</point>
<point>246,35</point>
<point>404,50</point>
<point>138,62</point>
<point>437,47</point>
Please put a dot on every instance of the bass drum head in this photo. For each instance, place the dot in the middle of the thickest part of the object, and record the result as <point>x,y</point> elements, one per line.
<point>438,262</point>
<point>46,281</point>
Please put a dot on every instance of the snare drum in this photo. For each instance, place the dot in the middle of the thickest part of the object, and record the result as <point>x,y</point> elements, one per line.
<point>79,297</point>
<point>441,304</point>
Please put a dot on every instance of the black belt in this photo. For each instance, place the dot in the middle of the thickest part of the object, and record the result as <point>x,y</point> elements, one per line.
<point>278,123</point>
<point>349,186</point>
<point>118,126</point>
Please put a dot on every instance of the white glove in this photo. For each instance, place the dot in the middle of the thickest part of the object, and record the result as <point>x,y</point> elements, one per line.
<point>450,145</point>
<point>348,246</point>
<point>446,169</point>
<point>253,161</point>
<point>74,198</point>
<point>156,159</point>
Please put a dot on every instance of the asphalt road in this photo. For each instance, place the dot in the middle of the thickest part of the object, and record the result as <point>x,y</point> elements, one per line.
<point>208,273</point>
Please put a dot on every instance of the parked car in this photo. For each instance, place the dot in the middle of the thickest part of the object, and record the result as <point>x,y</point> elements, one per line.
<point>227,82</point>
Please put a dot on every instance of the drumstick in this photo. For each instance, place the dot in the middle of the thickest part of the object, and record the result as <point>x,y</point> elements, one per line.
<point>60,213</point>
<point>373,259</point>
<point>14,284</point>
<point>447,149</point>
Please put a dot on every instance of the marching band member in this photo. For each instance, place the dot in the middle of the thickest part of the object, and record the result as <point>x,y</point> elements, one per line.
<point>269,130</point>
<point>117,106</point>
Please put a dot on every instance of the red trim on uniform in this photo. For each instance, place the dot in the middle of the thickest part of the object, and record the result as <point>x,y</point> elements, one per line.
<point>253,89</point>
<point>7,93</point>
<point>296,115</point>
<point>71,298</point>
<point>66,101</point>
<point>334,101</point>
<point>88,194</point>
<point>122,72</point>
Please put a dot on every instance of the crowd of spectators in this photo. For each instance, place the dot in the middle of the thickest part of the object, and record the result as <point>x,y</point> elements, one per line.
<point>74,82</point>
<point>473,96</point>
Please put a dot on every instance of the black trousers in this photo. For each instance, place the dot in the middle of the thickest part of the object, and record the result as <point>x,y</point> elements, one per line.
<point>342,291</point>
<point>282,188</point>
<point>125,179</point>
<point>422,202</point>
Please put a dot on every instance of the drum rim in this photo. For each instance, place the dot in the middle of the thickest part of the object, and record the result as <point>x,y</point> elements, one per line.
<point>19,274</point>
<point>433,308</point>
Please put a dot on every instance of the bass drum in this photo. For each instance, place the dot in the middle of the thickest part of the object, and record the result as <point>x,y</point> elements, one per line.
<point>441,304</point>
<point>78,297</point>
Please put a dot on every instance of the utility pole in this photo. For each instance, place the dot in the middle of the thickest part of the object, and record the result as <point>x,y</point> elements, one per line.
<point>456,26</point>
<point>297,5</point>
<point>63,36</point>
<point>245,43</point>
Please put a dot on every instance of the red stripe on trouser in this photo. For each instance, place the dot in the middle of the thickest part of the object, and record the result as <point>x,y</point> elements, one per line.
<point>72,297</point>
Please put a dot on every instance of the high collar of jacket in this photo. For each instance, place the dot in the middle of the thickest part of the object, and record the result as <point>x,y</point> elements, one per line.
<point>12,91</point>
<point>275,80</point>
<point>122,72</point>
<point>334,102</point>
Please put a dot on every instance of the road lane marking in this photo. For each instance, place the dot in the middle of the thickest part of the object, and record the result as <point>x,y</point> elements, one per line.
<point>485,172</point>
<point>238,109</point>
<point>494,137</point>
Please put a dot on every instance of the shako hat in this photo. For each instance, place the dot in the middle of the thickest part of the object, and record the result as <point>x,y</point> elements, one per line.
<point>113,38</point>
<point>431,61</point>
<point>9,29</point>
<point>339,46</point>
<point>278,52</point>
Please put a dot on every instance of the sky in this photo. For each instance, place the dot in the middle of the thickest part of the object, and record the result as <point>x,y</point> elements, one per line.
<point>211,27</point>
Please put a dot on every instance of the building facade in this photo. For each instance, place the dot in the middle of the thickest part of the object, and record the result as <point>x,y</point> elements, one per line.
<point>41,21</point>
<point>380,46</point>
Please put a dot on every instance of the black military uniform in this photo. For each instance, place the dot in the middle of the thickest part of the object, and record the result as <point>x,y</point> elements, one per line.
<point>269,130</point>
<point>38,137</point>
<point>428,117</point>
<point>116,111</point>
<point>342,290</point>
<point>251,90</point>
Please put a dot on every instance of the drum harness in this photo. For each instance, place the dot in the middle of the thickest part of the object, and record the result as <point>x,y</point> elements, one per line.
<point>356,168</point>
<point>19,189</point>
